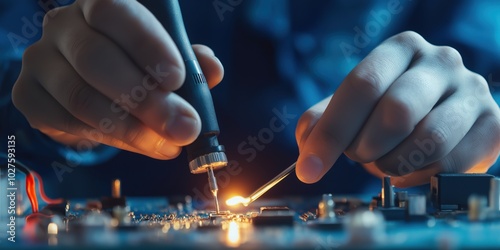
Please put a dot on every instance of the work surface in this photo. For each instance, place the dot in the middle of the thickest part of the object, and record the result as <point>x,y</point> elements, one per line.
<point>393,219</point>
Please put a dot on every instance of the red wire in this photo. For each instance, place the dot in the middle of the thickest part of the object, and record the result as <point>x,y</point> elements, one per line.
<point>31,191</point>
<point>45,198</point>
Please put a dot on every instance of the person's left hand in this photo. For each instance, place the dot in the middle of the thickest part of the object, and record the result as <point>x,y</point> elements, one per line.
<point>410,109</point>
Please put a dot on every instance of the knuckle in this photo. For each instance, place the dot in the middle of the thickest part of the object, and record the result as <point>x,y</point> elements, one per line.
<point>478,79</point>
<point>353,154</point>
<point>434,142</point>
<point>367,83</point>
<point>79,98</point>
<point>302,126</point>
<point>18,93</point>
<point>306,121</point>
<point>81,50</point>
<point>397,116</point>
<point>449,164</point>
<point>448,56</point>
<point>50,17</point>
<point>410,38</point>
<point>134,135</point>
<point>31,54</point>
<point>479,83</point>
<point>97,11</point>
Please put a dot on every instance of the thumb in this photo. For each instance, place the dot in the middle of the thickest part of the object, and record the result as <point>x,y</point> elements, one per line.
<point>306,169</point>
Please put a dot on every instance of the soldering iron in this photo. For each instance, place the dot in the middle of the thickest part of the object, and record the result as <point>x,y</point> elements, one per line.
<point>205,154</point>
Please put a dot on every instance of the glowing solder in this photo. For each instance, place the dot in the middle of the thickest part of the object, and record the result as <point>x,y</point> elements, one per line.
<point>263,189</point>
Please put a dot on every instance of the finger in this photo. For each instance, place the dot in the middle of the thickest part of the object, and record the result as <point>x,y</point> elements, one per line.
<point>36,102</point>
<point>88,105</point>
<point>309,119</point>
<point>58,123</point>
<point>407,101</point>
<point>135,29</point>
<point>438,133</point>
<point>210,64</point>
<point>104,66</point>
<point>478,150</point>
<point>353,102</point>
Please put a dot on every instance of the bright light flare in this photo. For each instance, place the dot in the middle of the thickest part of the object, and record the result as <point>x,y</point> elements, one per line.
<point>233,236</point>
<point>233,201</point>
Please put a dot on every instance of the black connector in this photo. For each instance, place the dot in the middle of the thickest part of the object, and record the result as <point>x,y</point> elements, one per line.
<point>452,191</point>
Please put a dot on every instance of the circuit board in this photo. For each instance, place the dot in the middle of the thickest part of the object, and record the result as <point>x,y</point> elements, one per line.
<point>443,218</point>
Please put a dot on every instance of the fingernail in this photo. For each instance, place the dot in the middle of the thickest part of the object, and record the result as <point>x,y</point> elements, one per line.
<point>217,59</point>
<point>311,170</point>
<point>205,50</point>
<point>183,129</point>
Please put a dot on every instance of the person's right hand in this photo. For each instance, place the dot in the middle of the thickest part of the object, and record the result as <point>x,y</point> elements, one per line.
<point>104,71</point>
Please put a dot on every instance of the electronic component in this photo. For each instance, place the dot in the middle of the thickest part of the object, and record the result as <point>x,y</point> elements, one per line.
<point>274,216</point>
<point>326,207</point>
<point>325,222</point>
<point>387,192</point>
<point>204,154</point>
<point>402,198</point>
<point>385,202</point>
<point>417,205</point>
<point>116,199</point>
<point>494,194</point>
<point>477,208</point>
<point>452,191</point>
<point>59,209</point>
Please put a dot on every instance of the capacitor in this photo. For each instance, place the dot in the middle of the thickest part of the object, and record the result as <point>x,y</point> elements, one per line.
<point>477,207</point>
<point>402,198</point>
<point>495,194</point>
<point>326,207</point>
<point>116,188</point>
<point>417,205</point>
<point>387,192</point>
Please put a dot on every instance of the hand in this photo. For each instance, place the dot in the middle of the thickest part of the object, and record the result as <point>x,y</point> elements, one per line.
<point>104,71</point>
<point>410,110</point>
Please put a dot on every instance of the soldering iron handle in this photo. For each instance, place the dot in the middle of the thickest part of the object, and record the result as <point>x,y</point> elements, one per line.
<point>195,89</point>
<point>174,24</point>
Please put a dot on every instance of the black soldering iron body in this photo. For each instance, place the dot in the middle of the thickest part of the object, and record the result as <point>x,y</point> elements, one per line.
<point>205,152</point>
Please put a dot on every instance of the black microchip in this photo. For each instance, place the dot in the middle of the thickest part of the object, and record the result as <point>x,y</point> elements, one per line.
<point>274,216</point>
<point>452,191</point>
<point>111,202</point>
<point>59,209</point>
